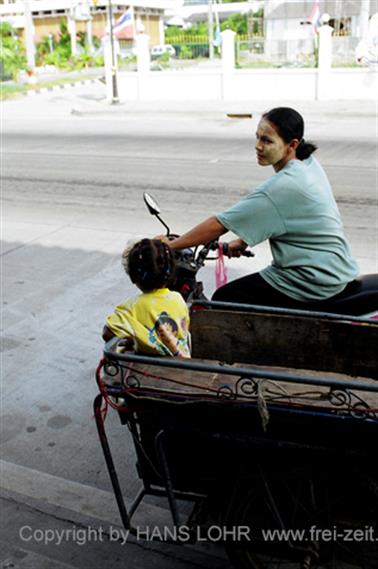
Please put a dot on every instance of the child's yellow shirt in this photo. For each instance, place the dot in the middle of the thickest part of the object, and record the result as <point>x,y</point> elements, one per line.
<point>140,317</point>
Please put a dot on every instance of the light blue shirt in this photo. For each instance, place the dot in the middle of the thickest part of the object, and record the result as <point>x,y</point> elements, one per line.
<point>296,211</point>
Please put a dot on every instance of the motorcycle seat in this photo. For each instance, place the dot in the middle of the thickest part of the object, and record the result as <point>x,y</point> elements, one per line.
<point>361,298</point>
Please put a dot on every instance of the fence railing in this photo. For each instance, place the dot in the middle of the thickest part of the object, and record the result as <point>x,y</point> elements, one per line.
<point>257,51</point>
<point>275,53</point>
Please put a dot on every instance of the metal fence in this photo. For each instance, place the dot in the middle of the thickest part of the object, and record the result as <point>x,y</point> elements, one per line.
<point>344,50</point>
<point>259,52</point>
<point>190,47</point>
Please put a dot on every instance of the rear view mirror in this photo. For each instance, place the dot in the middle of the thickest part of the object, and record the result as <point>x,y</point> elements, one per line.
<point>151,204</point>
<point>154,209</point>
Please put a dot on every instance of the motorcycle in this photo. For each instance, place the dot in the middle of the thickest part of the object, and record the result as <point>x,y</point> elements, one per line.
<point>189,260</point>
<point>363,301</point>
<point>268,431</point>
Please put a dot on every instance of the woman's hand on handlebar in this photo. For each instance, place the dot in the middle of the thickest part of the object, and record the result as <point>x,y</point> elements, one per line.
<point>205,232</point>
<point>236,248</point>
<point>166,238</point>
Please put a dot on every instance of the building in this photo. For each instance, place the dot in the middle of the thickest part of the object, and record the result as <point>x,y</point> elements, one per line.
<point>289,32</point>
<point>288,16</point>
<point>88,15</point>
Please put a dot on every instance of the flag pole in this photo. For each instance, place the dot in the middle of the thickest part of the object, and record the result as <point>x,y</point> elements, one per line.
<point>115,98</point>
<point>210,24</point>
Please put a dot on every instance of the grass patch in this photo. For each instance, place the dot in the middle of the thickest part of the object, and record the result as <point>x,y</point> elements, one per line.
<point>9,91</point>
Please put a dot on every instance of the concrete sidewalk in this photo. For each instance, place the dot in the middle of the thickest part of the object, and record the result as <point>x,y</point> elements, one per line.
<point>39,536</point>
<point>327,109</point>
<point>49,522</point>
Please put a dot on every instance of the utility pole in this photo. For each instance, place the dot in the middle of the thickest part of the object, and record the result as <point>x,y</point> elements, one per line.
<point>29,36</point>
<point>211,29</point>
<point>115,98</point>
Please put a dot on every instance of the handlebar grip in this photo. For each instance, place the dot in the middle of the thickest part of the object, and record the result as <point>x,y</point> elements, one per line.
<point>246,253</point>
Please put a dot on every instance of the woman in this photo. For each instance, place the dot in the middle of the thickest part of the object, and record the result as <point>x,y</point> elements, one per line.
<point>296,211</point>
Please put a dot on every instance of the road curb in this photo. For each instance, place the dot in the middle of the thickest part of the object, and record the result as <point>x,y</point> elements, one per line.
<point>39,91</point>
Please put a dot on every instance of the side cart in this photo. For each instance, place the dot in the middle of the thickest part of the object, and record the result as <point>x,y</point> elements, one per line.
<point>270,431</point>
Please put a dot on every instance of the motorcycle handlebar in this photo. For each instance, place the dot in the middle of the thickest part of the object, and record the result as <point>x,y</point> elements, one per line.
<point>245,253</point>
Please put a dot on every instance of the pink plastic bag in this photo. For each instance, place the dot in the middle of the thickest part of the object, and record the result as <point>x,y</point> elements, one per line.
<point>220,268</point>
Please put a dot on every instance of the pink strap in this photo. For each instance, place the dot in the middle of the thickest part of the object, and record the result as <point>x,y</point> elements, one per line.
<point>220,268</point>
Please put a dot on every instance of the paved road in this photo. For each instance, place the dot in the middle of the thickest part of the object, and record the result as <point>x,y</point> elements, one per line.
<point>100,159</point>
<point>73,178</point>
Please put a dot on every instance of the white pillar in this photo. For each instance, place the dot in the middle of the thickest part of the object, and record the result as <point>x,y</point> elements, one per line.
<point>89,35</point>
<point>228,61</point>
<point>161,31</point>
<point>71,25</point>
<point>108,64</point>
<point>228,50</point>
<point>29,36</point>
<point>364,18</point>
<point>142,41</point>
<point>210,26</point>
<point>324,60</point>
<point>325,47</point>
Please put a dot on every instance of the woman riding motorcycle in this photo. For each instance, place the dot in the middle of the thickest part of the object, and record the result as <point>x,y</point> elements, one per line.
<point>295,210</point>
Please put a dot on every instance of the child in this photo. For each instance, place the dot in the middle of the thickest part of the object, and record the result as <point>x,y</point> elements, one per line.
<point>157,320</point>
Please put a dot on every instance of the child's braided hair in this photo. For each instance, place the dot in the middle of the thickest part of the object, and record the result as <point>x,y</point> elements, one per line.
<point>149,263</point>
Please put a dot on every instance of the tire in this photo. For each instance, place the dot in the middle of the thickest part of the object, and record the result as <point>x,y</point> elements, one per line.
<point>301,498</point>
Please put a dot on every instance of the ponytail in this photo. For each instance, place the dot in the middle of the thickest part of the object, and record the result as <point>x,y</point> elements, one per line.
<point>305,149</point>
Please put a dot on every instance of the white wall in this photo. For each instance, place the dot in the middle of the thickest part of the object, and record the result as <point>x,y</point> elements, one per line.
<point>242,85</point>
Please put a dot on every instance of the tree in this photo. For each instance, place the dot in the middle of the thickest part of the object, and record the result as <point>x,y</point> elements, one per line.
<point>237,23</point>
<point>12,51</point>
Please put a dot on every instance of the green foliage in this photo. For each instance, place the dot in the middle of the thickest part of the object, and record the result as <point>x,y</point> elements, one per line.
<point>236,23</point>
<point>200,29</point>
<point>58,58</point>
<point>82,38</point>
<point>85,60</point>
<point>61,56</point>
<point>164,58</point>
<point>186,52</point>
<point>64,40</point>
<point>43,48</point>
<point>6,29</point>
<point>12,51</point>
<point>173,31</point>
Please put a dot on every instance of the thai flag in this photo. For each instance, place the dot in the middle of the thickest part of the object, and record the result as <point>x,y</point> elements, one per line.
<point>124,21</point>
<point>315,16</point>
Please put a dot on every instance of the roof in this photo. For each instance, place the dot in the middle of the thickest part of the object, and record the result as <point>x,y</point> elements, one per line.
<point>302,8</point>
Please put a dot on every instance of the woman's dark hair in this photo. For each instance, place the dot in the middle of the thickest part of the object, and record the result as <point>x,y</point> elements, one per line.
<point>149,263</point>
<point>289,124</point>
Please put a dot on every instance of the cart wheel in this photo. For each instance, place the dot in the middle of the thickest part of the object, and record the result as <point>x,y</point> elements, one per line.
<point>321,511</point>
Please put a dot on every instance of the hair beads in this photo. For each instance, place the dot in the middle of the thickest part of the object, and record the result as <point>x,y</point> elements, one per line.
<point>150,264</point>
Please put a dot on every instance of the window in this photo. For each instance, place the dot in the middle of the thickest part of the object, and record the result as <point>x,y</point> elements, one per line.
<point>341,26</point>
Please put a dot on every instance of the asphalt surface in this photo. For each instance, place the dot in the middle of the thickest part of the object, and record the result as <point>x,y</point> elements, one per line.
<point>74,172</point>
